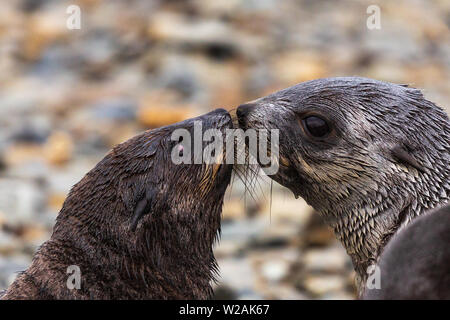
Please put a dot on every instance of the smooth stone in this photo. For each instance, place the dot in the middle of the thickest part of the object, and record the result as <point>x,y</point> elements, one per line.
<point>333,259</point>
<point>274,271</point>
<point>320,285</point>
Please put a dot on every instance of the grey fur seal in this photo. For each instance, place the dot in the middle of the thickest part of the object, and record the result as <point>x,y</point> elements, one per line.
<point>370,156</point>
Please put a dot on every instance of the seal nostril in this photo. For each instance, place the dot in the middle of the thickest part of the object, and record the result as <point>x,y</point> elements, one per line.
<point>244,109</point>
<point>239,112</point>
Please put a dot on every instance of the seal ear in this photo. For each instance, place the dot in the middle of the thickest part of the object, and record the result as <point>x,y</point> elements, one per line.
<point>404,155</point>
<point>143,207</point>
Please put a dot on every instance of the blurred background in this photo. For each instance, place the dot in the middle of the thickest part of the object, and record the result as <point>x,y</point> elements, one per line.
<point>68,96</point>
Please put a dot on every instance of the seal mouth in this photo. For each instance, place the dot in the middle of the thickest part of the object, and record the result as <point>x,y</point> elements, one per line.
<point>222,120</point>
<point>217,175</point>
<point>201,141</point>
<point>217,119</point>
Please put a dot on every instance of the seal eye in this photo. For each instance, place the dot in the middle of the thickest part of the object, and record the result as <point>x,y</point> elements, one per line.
<point>316,127</point>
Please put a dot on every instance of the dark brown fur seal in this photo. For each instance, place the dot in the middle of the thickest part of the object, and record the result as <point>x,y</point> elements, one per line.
<point>416,263</point>
<point>370,156</point>
<point>137,225</point>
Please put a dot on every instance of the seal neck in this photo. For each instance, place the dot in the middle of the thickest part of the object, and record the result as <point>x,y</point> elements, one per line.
<point>365,222</point>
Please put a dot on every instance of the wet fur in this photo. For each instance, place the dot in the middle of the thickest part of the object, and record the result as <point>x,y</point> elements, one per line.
<point>386,162</point>
<point>138,226</point>
<point>416,263</point>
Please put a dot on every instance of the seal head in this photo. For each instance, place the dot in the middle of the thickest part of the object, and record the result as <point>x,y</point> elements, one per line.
<point>368,155</point>
<point>137,226</point>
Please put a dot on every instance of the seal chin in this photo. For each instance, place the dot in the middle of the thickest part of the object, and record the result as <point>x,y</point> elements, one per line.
<point>290,178</point>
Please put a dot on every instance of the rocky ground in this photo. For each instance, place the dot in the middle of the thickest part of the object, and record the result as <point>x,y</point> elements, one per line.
<point>68,96</point>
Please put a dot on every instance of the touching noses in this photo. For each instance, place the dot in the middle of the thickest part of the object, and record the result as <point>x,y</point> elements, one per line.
<point>244,109</point>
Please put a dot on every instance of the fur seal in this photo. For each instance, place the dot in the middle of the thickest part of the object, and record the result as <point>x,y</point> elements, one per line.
<point>369,156</point>
<point>137,226</point>
<point>416,263</point>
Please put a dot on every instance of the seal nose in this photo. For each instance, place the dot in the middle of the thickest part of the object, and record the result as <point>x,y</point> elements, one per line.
<point>244,109</point>
<point>218,119</point>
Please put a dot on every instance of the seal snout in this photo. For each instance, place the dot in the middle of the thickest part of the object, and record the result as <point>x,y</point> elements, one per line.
<point>218,118</point>
<point>243,111</point>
